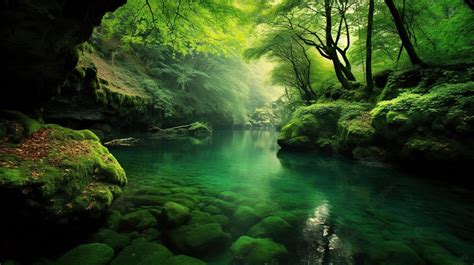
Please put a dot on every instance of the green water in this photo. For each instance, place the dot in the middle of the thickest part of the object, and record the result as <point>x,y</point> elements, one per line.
<point>339,212</point>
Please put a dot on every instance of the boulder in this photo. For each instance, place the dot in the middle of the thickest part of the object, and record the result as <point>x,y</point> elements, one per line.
<point>199,240</point>
<point>138,221</point>
<point>142,253</point>
<point>256,251</point>
<point>184,260</point>
<point>87,254</point>
<point>245,217</point>
<point>273,227</point>
<point>112,239</point>
<point>174,214</point>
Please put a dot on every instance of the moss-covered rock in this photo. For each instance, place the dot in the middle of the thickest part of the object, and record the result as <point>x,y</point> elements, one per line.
<point>330,127</point>
<point>142,253</point>
<point>59,172</point>
<point>184,260</point>
<point>174,214</point>
<point>138,221</point>
<point>255,251</point>
<point>273,227</point>
<point>87,254</point>
<point>112,239</point>
<point>200,239</point>
<point>431,126</point>
<point>245,216</point>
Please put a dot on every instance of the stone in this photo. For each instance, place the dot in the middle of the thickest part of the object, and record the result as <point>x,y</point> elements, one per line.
<point>256,251</point>
<point>87,254</point>
<point>174,214</point>
<point>199,240</point>
<point>143,253</point>
<point>112,239</point>
<point>138,221</point>
<point>273,227</point>
<point>184,260</point>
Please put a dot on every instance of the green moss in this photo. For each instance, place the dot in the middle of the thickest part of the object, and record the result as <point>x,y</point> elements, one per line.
<point>87,254</point>
<point>247,250</point>
<point>394,252</point>
<point>273,227</point>
<point>142,253</point>
<point>29,125</point>
<point>112,239</point>
<point>138,221</point>
<point>200,239</point>
<point>245,216</point>
<point>174,214</point>
<point>184,260</point>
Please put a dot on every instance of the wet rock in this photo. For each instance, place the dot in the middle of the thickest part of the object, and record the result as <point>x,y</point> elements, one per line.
<point>228,196</point>
<point>255,251</point>
<point>151,234</point>
<point>212,209</point>
<point>138,221</point>
<point>113,220</point>
<point>245,216</point>
<point>184,260</point>
<point>174,214</point>
<point>142,253</point>
<point>87,254</point>
<point>221,219</point>
<point>264,209</point>
<point>227,208</point>
<point>274,227</point>
<point>112,239</point>
<point>200,218</point>
<point>199,240</point>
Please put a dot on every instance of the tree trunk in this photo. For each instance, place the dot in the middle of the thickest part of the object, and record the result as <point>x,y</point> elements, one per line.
<point>368,46</point>
<point>402,32</point>
<point>332,52</point>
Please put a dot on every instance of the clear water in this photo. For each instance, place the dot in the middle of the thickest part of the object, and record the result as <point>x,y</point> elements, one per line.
<point>340,212</point>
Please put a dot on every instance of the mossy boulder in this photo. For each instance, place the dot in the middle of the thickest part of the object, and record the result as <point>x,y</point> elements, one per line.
<point>228,196</point>
<point>328,127</point>
<point>142,253</point>
<point>428,126</point>
<point>184,260</point>
<point>273,227</point>
<point>254,251</point>
<point>200,239</point>
<point>245,217</point>
<point>174,214</point>
<point>138,221</point>
<point>87,254</point>
<point>112,239</point>
<point>57,173</point>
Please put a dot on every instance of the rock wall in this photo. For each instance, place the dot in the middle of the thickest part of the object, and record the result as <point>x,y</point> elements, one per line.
<point>38,41</point>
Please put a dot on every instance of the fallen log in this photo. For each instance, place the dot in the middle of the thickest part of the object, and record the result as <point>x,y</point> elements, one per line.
<point>122,142</point>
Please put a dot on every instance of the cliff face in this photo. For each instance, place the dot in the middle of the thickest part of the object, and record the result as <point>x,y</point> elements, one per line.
<point>38,42</point>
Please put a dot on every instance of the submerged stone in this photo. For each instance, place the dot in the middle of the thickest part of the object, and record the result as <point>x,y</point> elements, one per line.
<point>274,227</point>
<point>256,251</point>
<point>142,253</point>
<point>139,220</point>
<point>112,239</point>
<point>87,254</point>
<point>184,260</point>
<point>228,196</point>
<point>174,214</point>
<point>245,216</point>
<point>199,240</point>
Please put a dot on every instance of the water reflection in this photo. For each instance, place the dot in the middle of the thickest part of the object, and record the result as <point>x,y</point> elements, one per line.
<point>340,212</point>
